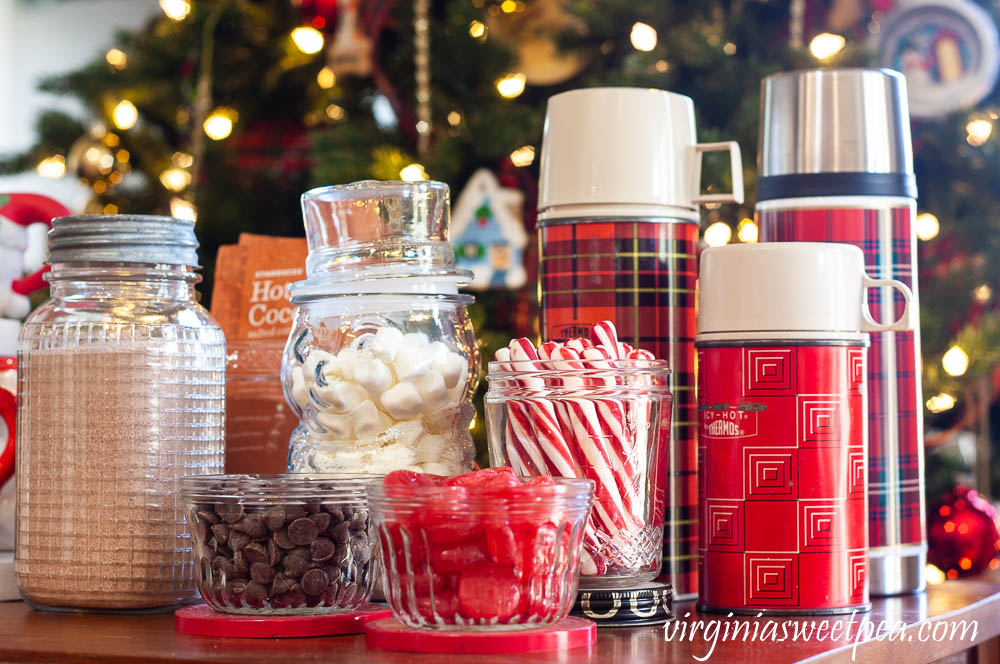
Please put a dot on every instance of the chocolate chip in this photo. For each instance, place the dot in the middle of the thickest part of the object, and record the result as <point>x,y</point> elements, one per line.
<point>252,525</point>
<point>295,564</point>
<point>236,586</point>
<point>341,532</point>
<point>362,555</point>
<point>242,566</point>
<point>274,518</point>
<point>281,584</point>
<point>282,540</point>
<point>321,549</point>
<point>348,512</point>
<point>314,506</point>
<point>221,533</point>
<point>342,555</point>
<point>315,581</point>
<point>223,568</point>
<point>336,515</point>
<point>209,517</point>
<point>262,573</point>
<point>200,531</point>
<point>255,553</point>
<point>359,522</point>
<point>293,512</point>
<point>362,552</point>
<point>302,531</point>
<point>255,591</point>
<point>229,511</point>
<point>206,552</point>
<point>274,552</point>
<point>237,540</point>
<point>294,597</point>
<point>321,519</point>
<point>348,592</point>
<point>333,572</point>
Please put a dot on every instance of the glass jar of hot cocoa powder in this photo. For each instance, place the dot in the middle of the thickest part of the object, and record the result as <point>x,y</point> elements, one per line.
<point>121,377</point>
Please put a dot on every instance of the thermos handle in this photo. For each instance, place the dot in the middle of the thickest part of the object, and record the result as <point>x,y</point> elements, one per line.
<point>735,165</point>
<point>905,321</point>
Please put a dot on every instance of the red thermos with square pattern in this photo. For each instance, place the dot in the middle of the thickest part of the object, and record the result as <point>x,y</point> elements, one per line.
<point>782,428</point>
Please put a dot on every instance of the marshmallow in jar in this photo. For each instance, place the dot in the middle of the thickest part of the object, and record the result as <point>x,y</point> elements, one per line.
<point>382,362</point>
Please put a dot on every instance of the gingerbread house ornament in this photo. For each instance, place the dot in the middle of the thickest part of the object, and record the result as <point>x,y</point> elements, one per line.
<point>350,53</point>
<point>488,235</point>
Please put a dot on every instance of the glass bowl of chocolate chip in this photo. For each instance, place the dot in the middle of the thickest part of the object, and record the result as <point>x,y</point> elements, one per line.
<point>289,544</point>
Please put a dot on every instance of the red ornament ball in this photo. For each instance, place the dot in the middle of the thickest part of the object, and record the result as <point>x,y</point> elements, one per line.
<point>963,533</point>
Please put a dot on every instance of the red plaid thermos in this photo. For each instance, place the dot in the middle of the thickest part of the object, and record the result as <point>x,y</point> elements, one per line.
<point>855,185</point>
<point>618,231</point>
<point>782,438</point>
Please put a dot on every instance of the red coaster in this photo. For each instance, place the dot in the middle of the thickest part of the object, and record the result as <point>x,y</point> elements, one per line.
<point>205,621</point>
<point>390,634</point>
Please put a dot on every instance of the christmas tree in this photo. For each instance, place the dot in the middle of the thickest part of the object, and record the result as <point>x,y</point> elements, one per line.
<point>228,109</point>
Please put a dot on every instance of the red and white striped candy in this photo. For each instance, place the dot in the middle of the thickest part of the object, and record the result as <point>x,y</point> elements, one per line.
<point>539,417</point>
<point>640,354</point>
<point>605,334</point>
<point>528,453</point>
<point>623,453</point>
<point>544,440</point>
<point>522,349</point>
<point>605,515</point>
<point>597,353</point>
<point>546,349</point>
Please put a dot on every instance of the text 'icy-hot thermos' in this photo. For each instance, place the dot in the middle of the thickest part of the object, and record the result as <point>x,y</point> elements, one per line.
<point>782,448</point>
<point>618,229</point>
<point>836,166</point>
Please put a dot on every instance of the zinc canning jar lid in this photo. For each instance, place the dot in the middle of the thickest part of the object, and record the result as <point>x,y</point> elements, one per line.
<point>123,238</point>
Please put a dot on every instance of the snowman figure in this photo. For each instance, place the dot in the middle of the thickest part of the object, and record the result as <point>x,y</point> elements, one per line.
<point>24,221</point>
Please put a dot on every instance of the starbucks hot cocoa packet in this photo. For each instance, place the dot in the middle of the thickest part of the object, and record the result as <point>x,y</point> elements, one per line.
<point>252,278</point>
<point>250,302</point>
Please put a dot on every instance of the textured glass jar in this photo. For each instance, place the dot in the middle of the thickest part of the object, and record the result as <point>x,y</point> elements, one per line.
<point>382,362</point>
<point>595,419</point>
<point>288,544</point>
<point>121,380</point>
<point>481,558</point>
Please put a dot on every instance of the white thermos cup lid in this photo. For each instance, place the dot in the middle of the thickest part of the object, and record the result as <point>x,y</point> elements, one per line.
<point>625,151</point>
<point>791,287</point>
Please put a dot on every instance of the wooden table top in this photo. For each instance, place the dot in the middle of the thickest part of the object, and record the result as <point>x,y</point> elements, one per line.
<point>34,636</point>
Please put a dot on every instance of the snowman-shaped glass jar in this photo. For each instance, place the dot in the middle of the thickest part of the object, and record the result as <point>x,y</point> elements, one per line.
<point>382,361</point>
